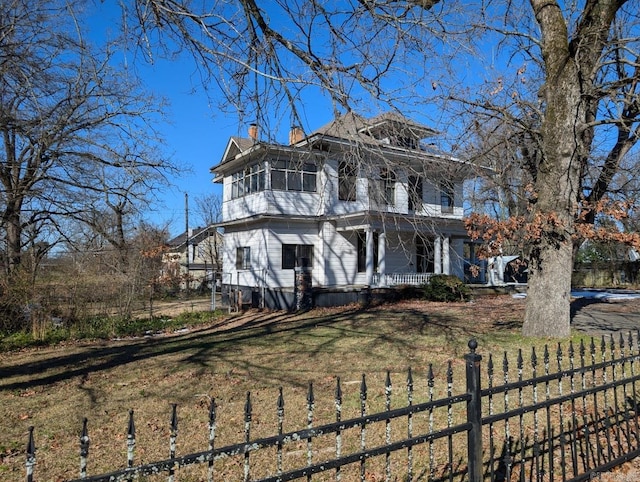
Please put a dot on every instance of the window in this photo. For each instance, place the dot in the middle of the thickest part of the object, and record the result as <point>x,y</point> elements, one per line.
<point>362,251</point>
<point>383,191</point>
<point>248,181</point>
<point>415,193</point>
<point>294,255</point>
<point>446,197</point>
<point>388,180</point>
<point>243,257</point>
<point>292,176</point>
<point>347,176</point>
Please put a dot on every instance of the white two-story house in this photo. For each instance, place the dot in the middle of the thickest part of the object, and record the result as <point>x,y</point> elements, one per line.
<point>361,203</point>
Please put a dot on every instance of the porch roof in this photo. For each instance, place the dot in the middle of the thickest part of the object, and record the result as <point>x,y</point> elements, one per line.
<point>398,222</point>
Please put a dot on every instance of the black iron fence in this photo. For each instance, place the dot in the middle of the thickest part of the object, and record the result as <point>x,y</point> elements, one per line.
<point>566,414</point>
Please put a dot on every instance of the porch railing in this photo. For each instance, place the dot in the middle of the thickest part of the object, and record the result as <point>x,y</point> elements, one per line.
<point>394,279</point>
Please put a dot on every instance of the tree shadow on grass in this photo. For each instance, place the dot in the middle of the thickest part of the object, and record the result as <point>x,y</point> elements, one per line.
<point>202,344</point>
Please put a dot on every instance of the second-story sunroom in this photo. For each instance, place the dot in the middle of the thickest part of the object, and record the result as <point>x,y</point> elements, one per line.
<point>369,198</point>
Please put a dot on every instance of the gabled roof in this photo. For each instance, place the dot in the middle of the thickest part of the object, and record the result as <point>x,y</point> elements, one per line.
<point>235,146</point>
<point>197,235</point>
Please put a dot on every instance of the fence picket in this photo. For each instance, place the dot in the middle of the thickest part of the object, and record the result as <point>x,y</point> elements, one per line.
<point>363,426</point>
<point>280,415</point>
<point>409,424</point>
<point>247,434</point>
<point>84,448</point>
<point>338,404</point>
<point>173,435</point>
<point>431,384</point>
<point>387,425</point>
<point>310,409</point>
<point>131,440</point>
<point>31,455</point>
<point>212,437</point>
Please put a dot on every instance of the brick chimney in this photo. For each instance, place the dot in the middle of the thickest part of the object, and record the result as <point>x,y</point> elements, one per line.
<point>296,134</point>
<point>253,132</point>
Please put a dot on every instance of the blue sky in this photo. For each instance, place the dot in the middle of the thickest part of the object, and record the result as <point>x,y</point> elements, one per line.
<point>196,132</point>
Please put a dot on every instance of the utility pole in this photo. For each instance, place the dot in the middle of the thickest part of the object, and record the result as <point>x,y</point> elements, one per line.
<point>186,230</point>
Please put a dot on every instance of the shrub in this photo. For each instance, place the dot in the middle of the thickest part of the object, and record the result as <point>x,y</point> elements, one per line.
<point>446,287</point>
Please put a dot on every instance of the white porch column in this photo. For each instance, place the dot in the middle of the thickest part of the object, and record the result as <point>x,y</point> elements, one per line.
<point>437,255</point>
<point>382,252</point>
<point>369,256</point>
<point>446,256</point>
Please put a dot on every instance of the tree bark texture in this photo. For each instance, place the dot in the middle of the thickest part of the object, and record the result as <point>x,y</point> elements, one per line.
<point>565,147</point>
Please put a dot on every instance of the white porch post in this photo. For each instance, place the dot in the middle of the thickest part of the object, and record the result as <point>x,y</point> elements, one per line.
<point>446,262</point>
<point>382,251</point>
<point>437,255</point>
<point>369,256</point>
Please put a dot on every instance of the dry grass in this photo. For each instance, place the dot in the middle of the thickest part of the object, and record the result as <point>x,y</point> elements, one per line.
<point>54,388</point>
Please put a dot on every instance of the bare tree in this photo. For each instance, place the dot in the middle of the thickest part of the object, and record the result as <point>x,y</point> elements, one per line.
<point>76,131</point>
<point>563,76</point>
<point>209,211</point>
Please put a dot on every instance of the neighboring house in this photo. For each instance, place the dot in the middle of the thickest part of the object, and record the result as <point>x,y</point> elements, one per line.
<point>360,202</point>
<point>198,253</point>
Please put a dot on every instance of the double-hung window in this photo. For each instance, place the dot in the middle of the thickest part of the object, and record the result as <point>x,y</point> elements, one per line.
<point>294,255</point>
<point>415,193</point>
<point>446,197</point>
<point>243,257</point>
<point>383,190</point>
<point>347,177</point>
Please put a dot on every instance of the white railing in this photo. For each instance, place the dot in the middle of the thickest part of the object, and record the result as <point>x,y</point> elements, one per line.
<point>394,279</point>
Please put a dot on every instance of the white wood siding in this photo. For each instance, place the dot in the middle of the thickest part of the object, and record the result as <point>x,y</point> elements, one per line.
<point>255,239</point>
<point>279,234</point>
<point>341,260</point>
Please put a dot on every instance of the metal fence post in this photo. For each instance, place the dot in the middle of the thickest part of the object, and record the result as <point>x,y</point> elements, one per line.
<point>474,413</point>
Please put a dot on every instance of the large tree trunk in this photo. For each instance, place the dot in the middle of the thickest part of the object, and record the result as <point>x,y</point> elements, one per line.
<point>548,301</point>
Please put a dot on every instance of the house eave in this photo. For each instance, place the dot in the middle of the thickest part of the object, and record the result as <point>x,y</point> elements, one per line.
<point>259,218</point>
